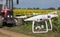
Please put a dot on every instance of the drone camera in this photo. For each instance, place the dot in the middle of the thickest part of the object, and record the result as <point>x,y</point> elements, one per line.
<point>40,19</point>
<point>49,16</point>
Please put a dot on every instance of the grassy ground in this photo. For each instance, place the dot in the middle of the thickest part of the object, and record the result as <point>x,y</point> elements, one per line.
<point>27,30</point>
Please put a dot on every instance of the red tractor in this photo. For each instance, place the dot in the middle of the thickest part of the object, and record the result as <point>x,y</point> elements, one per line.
<point>6,13</point>
<point>7,16</point>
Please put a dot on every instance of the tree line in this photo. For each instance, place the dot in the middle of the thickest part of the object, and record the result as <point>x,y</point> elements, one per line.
<point>51,8</point>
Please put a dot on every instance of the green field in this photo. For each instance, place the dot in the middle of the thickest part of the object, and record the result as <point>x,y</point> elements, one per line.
<point>26,27</point>
<point>30,12</point>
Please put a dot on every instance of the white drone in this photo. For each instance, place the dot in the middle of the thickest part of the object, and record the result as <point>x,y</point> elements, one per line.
<point>40,18</point>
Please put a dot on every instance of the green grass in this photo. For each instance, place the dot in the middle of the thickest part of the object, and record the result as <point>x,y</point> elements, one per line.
<point>27,29</point>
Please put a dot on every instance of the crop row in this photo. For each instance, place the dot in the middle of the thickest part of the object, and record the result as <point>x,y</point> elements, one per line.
<point>30,12</point>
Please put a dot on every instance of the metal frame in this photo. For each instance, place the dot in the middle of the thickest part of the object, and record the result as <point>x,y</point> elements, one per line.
<point>45,29</point>
<point>50,24</point>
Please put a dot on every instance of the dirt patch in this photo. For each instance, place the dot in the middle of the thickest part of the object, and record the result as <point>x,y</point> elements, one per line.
<point>7,33</point>
<point>11,34</point>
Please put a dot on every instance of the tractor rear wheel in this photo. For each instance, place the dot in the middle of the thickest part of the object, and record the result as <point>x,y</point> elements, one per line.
<point>1,21</point>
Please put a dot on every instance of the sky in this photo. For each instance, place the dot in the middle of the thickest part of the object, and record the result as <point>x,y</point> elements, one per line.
<point>37,4</point>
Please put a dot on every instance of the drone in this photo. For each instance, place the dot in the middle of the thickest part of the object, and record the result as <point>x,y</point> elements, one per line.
<point>41,18</point>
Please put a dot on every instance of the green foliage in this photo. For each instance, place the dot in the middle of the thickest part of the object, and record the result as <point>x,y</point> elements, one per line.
<point>56,24</point>
<point>58,8</point>
<point>51,8</point>
<point>26,28</point>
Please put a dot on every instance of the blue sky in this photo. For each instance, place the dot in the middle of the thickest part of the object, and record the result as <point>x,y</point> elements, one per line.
<point>38,3</point>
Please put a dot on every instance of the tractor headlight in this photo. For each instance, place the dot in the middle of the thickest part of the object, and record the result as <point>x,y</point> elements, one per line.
<point>2,18</point>
<point>11,16</point>
<point>8,16</point>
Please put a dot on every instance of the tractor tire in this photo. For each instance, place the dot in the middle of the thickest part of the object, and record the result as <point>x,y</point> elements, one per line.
<point>18,22</point>
<point>1,21</point>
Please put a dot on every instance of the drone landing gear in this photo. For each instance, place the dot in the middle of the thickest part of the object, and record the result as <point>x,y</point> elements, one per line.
<point>50,24</point>
<point>41,27</point>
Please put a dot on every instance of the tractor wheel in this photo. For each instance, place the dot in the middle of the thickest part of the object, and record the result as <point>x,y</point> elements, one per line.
<point>18,22</point>
<point>1,21</point>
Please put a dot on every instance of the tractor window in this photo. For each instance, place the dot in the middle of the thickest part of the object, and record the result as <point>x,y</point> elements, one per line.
<point>0,6</point>
<point>9,13</point>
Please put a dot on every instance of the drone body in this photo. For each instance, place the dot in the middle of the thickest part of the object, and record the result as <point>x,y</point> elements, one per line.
<point>40,18</point>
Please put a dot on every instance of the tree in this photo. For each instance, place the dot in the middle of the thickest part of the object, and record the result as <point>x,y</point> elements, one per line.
<point>51,8</point>
<point>58,8</point>
<point>29,8</point>
<point>37,8</point>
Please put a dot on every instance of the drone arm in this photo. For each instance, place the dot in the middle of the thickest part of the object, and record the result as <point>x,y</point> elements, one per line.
<point>33,26</point>
<point>50,24</point>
